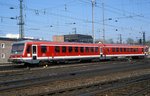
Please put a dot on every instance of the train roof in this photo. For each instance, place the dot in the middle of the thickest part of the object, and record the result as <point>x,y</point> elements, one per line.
<point>58,43</point>
<point>78,44</point>
<point>122,45</point>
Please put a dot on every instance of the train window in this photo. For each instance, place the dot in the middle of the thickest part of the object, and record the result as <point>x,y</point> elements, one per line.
<point>28,48</point>
<point>82,49</point>
<point>70,49</point>
<point>76,49</point>
<point>92,49</point>
<point>96,49</point>
<point>120,49</point>
<point>129,49</point>
<point>113,49</point>
<point>117,49</point>
<point>57,49</point>
<point>134,49</point>
<point>87,49</point>
<point>43,49</point>
<point>125,50</point>
<point>63,49</point>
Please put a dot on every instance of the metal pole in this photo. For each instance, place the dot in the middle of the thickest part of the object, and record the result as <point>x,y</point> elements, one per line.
<point>21,22</point>
<point>120,38</point>
<point>143,38</point>
<point>103,23</point>
<point>93,34</point>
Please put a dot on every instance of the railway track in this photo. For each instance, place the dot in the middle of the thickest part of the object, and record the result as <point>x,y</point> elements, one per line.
<point>44,79</point>
<point>105,88</point>
<point>11,68</point>
<point>54,70</point>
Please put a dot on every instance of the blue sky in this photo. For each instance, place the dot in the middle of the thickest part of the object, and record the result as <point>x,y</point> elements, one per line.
<point>45,18</point>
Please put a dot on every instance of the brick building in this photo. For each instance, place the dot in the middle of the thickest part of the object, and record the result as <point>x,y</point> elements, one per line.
<point>5,48</point>
<point>73,38</point>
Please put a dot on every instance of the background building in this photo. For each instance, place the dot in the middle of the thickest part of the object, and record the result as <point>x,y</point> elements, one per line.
<point>5,49</point>
<point>73,38</point>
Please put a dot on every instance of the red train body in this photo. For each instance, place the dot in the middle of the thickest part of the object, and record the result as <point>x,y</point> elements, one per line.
<point>33,52</point>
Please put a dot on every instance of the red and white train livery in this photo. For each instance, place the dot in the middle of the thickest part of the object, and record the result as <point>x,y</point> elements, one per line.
<point>33,52</point>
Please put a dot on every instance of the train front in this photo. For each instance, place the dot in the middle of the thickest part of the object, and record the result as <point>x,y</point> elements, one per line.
<point>17,53</point>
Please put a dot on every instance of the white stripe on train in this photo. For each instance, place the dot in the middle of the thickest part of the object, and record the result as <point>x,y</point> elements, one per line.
<point>76,57</point>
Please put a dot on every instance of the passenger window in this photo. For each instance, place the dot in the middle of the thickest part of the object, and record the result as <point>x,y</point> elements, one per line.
<point>70,49</point>
<point>63,49</point>
<point>96,49</point>
<point>124,49</point>
<point>43,49</point>
<point>92,49</point>
<point>113,49</point>
<point>76,49</point>
<point>87,49</point>
<point>81,49</point>
<point>57,49</point>
<point>120,49</point>
<point>117,49</point>
<point>28,48</point>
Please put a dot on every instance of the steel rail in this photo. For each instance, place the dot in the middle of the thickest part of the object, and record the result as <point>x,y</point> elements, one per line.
<point>67,75</point>
<point>97,87</point>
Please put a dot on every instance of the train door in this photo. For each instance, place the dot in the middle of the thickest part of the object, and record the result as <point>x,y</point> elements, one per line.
<point>101,52</point>
<point>34,52</point>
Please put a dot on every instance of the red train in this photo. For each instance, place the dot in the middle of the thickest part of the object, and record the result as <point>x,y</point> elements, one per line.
<point>36,52</point>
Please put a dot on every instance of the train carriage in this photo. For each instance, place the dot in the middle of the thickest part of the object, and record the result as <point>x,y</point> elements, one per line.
<point>36,52</point>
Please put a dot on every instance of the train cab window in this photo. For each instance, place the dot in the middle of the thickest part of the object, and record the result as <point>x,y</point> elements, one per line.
<point>57,49</point>
<point>86,49</point>
<point>92,49</point>
<point>63,49</point>
<point>76,49</point>
<point>81,49</point>
<point>43,49</point>
<point>28,48</point>
<point>70,49</point>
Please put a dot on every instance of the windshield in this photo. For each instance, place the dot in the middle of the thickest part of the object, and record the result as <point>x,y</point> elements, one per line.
<point>17,48</point>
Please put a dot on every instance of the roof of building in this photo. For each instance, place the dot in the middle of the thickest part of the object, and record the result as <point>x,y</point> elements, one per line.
<point>14,39</point>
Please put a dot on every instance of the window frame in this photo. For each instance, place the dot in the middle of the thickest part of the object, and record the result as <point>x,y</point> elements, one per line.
<point>70,49</point>
<point>57,49</point>
<point>42,49</point>
<point>64,49</point>
<point>3,56</point>
<point>2,45</point>
<point>76,49</point>
<point>82,49</point>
